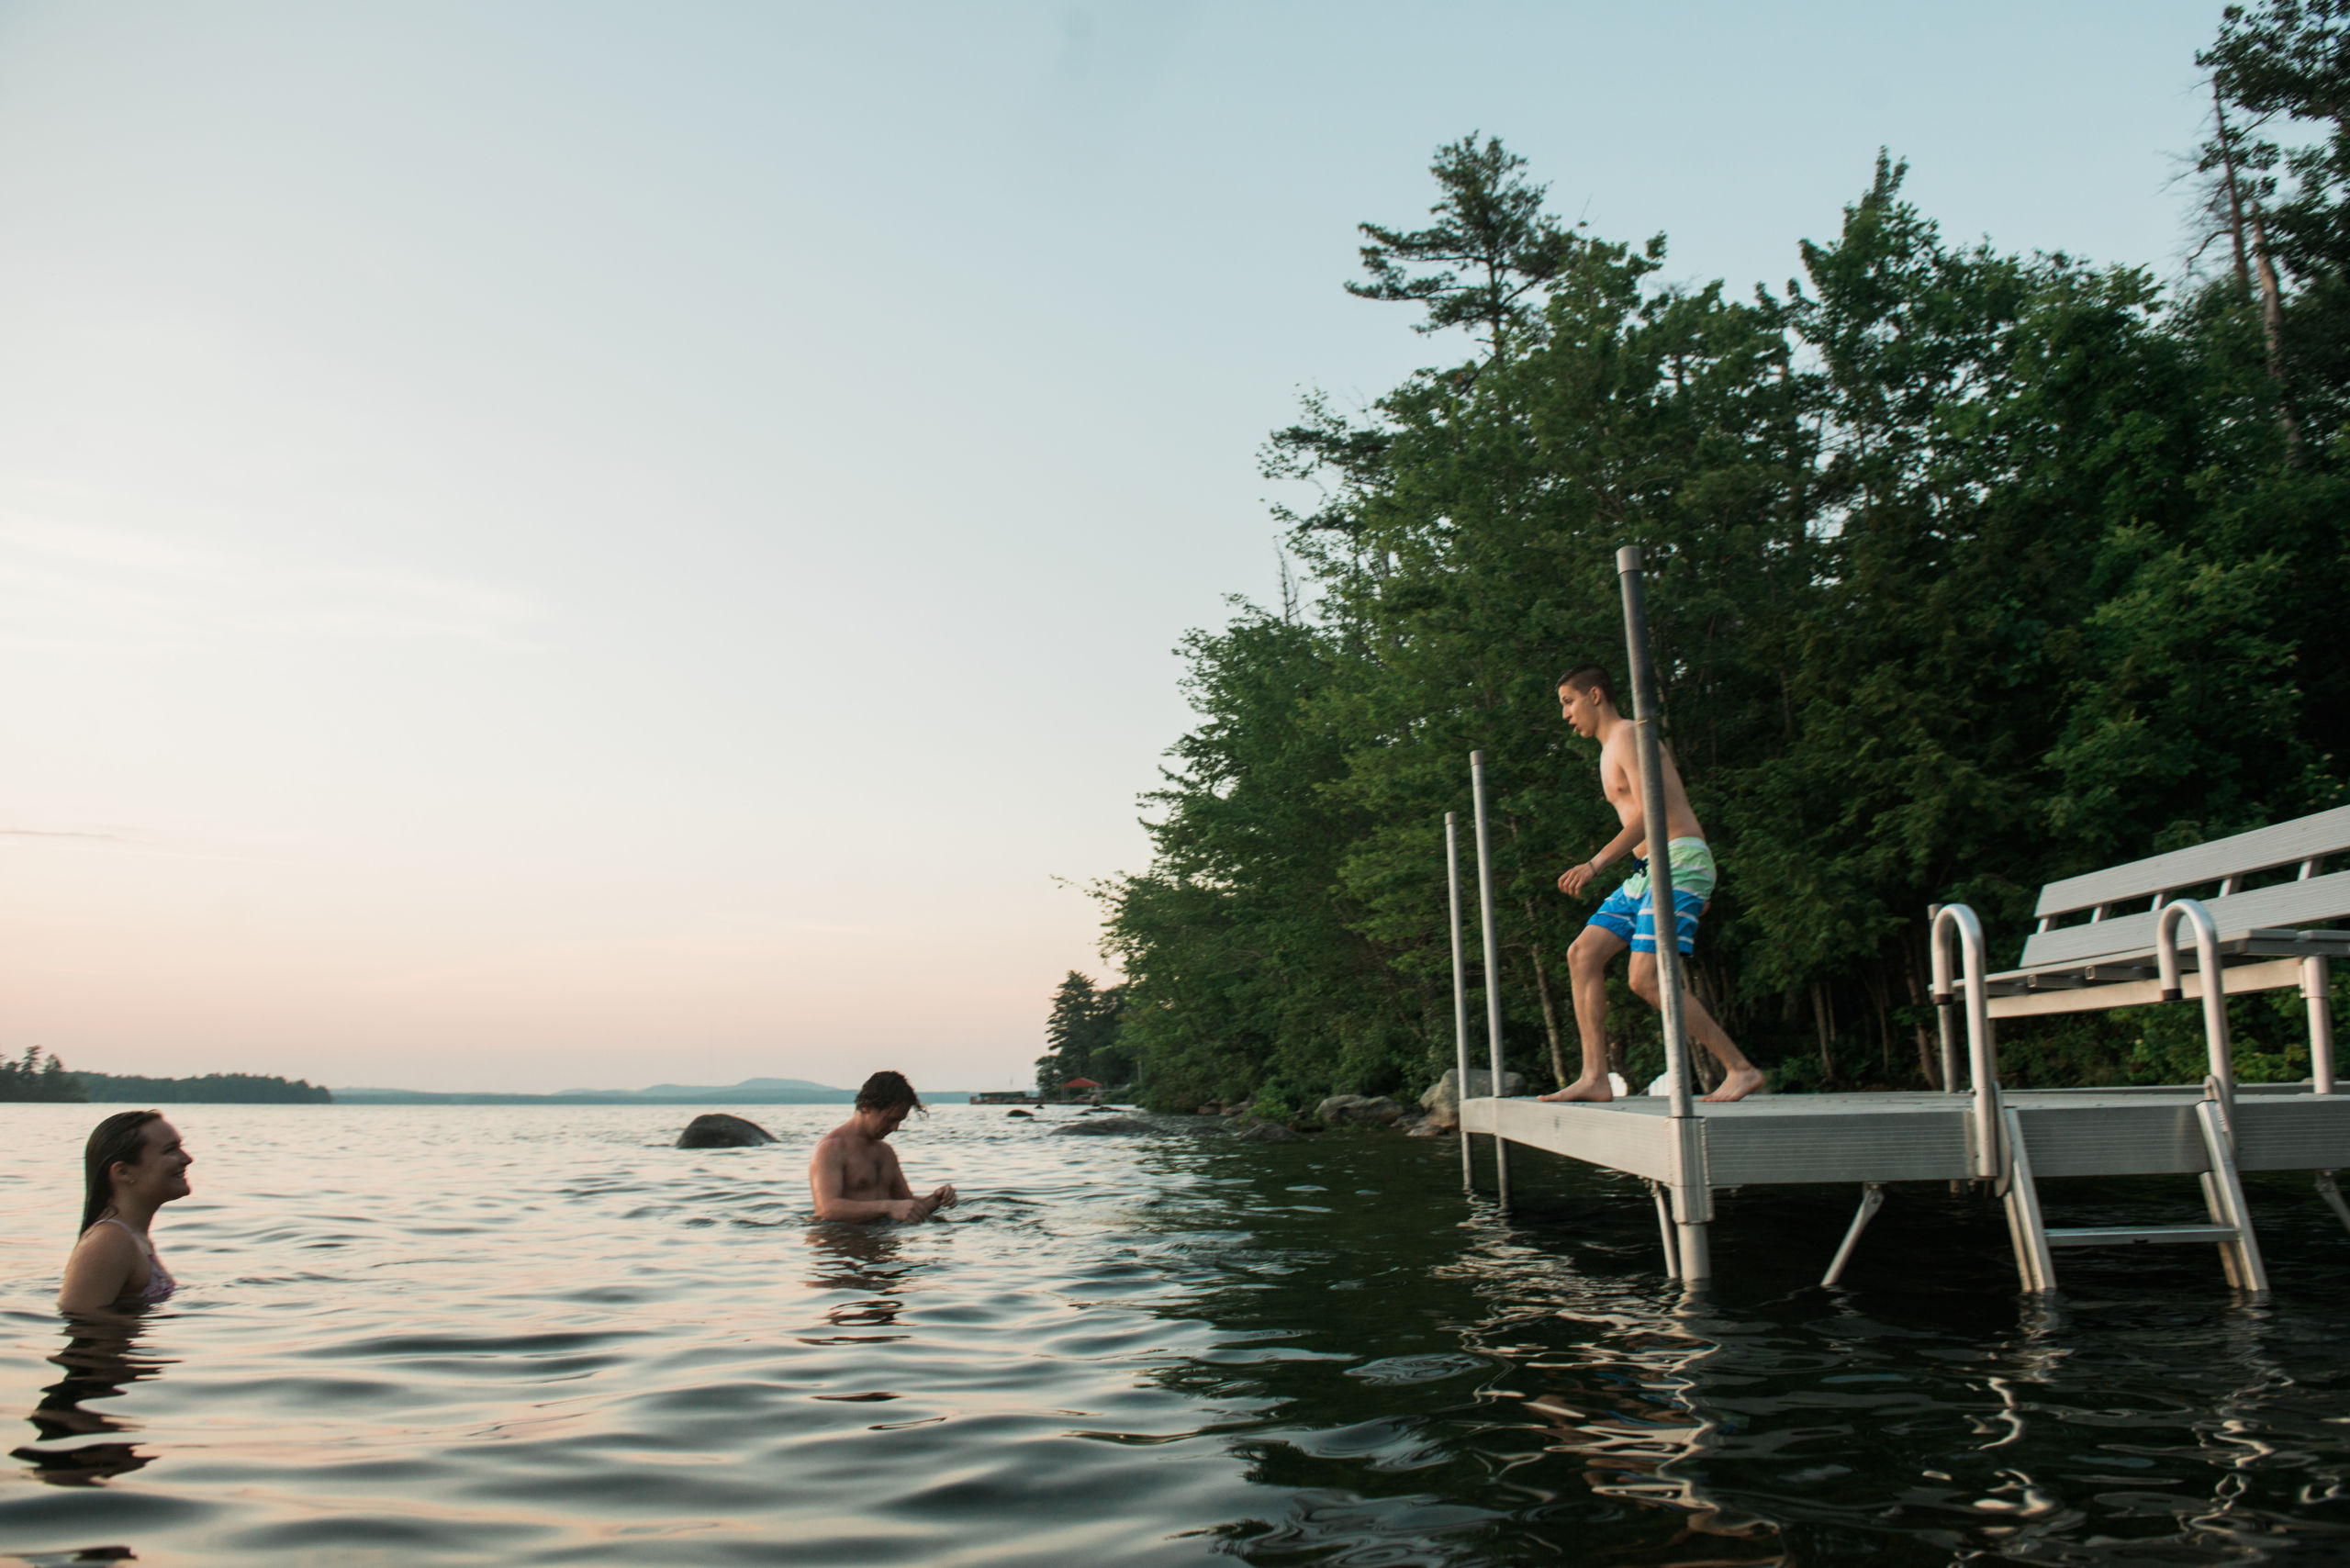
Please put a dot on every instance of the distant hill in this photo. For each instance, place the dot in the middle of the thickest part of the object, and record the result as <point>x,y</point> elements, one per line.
<point>750,1091</point>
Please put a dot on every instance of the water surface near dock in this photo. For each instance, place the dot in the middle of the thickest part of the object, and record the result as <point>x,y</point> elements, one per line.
<point>538,1335</point>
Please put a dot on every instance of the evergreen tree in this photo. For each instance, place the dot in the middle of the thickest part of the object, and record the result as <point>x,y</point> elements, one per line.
<point>39,1076</point>
<point>1082,1032</point>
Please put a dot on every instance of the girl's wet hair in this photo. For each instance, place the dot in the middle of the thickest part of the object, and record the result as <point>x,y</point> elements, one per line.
<point>887,1092</point>
<point>120,1139</point>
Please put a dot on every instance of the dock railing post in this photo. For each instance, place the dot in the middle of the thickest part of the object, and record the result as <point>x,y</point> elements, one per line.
<point>1957,920</point>
<point>1692,1200</point>
<point>2215,991</point>
<point>1493,972</point>
<point>2316,989</point>
<point>1460,998</point>
<point>1944,1022</point>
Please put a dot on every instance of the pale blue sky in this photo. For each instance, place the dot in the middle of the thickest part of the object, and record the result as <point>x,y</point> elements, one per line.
<point>582,544</point>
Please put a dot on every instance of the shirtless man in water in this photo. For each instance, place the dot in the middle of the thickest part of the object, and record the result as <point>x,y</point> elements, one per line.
<point>1587,701</point>
<point>854,1176</point>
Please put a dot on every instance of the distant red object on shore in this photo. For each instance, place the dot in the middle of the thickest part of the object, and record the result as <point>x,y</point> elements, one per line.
<point>1081,1083</point>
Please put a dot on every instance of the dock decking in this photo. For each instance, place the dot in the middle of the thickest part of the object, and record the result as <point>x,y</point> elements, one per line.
<point>1929,1136</point>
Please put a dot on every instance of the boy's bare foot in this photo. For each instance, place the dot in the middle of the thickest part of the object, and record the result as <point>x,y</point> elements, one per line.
<point>1586,1089</point>
<point>1738,1084</point>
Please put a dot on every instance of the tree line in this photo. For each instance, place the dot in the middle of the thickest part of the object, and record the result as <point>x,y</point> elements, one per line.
<point>1968,570</point>
<point>38,1075</point>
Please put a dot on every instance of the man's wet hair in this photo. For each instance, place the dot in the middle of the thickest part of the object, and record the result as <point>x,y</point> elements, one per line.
<point>887,1092</point>
<point>1582,677</point>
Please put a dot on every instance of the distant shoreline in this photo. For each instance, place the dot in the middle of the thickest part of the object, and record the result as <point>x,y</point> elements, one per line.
<point>622,1097</point>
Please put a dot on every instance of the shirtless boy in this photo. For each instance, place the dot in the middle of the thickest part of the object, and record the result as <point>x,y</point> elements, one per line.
<point>854,1176</point>
<point>1627,918</point>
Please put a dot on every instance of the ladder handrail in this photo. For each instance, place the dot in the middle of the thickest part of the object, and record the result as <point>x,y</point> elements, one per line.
<point>1955,920</point>
<point>2215,992</point>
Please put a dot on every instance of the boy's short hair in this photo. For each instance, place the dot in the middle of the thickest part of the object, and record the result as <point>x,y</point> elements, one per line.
<point>887,1092</point>
<point>1583,677</point>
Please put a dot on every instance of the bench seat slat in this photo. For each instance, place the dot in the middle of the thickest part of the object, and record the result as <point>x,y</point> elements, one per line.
<point>2326,832</point>
<point>2286,904</point>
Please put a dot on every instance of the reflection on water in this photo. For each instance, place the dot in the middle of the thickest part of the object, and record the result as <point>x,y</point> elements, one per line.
<point>490,1336</point>
<point>76,1446</point>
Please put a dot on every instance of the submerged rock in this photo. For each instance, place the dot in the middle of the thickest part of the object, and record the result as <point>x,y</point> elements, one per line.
<point>1107,1125</point>
<point>1270,1132</point>
<point>1028,1115</point>
<point>718,1130</point>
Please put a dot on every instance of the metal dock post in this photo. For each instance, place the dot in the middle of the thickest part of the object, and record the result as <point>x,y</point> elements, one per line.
<point>1493,969</point>
<point>1460,998</point>
<point>1693,1197</point>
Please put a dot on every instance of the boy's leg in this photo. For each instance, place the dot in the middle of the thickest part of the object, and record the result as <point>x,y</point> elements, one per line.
<point>1739,1076</point>
<point>1588,962</point>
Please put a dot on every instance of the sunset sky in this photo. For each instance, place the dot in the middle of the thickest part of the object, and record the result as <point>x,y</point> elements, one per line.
<point>549,544</point>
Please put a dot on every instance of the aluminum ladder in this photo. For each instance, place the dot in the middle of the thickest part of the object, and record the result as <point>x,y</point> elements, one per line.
<point>2230,1224</point>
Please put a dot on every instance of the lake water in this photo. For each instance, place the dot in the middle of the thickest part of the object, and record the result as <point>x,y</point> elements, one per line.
<point>492,1335</point>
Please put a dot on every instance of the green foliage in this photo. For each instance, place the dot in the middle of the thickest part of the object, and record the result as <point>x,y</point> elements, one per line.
<point>1967,571</point>
<point>37,1076</point>
<point>212,1088</point>
<point>1082,1032</point>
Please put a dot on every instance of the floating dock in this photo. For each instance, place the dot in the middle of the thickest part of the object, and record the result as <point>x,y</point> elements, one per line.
<point>1687,1149</point>
<point>1928,1137</point>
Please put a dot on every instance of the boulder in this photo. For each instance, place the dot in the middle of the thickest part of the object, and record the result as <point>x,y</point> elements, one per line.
<point>1025,1116</point>
<point>715,1129</point>
<point>1270,1132</point>
<point>1106,1124</point>
<point>1211,1109</point>
<point>1340,1110</point>
<point>1442,1101</point>
<point>1426,1126</point>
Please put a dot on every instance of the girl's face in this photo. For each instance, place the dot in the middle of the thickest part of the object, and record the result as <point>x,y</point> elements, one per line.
<point>160,1172</point>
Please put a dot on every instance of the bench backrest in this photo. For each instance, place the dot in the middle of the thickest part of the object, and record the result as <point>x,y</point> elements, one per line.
<point>2121,901</point>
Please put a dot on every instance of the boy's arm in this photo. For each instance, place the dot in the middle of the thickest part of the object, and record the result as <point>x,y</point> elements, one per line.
<point>1628,837</point>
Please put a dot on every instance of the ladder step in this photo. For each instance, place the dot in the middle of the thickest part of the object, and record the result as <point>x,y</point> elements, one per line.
<point>2119,1235</point>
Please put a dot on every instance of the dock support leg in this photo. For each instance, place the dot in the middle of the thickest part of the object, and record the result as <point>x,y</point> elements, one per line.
<point>1696,1259</point>
<point>1664,1230</point>
<point>1872,1200</point>
<point>2332,1196</point>
<point>2025,1227</point>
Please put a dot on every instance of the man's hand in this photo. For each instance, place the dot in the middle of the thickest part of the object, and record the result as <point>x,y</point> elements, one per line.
<point>1575,880</point>
<point>909,1210</point>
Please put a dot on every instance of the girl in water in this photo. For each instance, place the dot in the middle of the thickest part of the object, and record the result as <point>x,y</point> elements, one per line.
<point>132,1166</point>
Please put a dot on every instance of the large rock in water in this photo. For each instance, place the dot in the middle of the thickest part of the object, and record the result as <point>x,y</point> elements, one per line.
<point>1340,1110</point>
<point>1271,1132</point>
<point>1106,1124</point>
<point>1442,1101</point>
<point>718,1130</point>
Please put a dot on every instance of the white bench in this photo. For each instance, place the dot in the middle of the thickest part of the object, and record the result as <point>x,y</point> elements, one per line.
<point>2263,892</point>
<point>2255,906</point>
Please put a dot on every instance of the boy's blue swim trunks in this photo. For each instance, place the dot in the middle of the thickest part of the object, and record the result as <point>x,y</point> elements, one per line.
<point>1630,911</point>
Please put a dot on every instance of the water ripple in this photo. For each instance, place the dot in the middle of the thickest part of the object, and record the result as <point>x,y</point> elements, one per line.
<point>492,1335</point>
